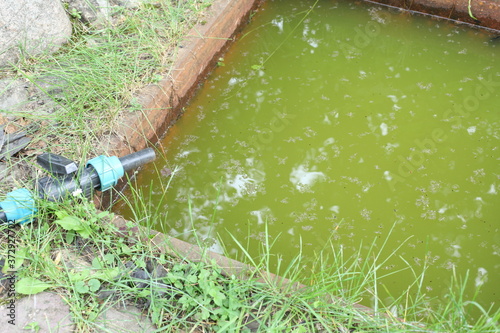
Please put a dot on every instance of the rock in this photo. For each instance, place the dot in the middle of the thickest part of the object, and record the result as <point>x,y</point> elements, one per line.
<point>52,86</point>
<point>98,13</point>
<point>128,319</point>
<point>19,96</point>
<point>93,12</point>
<point>128,3</point>
<point>72,261</point>
<point>44,312</point>
<point>31,27</point>
<point>13,174</point>
<point>13,94</point>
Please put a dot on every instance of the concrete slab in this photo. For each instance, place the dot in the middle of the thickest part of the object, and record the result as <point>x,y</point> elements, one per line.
<point>123,320</point>
<point>42,313</point>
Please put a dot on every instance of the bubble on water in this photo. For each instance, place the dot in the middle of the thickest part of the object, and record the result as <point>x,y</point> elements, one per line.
<point>326,120</point>
<point>389,147</point>
<point>281,161</point>
<point>424,86</point>
<point>456,252</point>
<point>366,214</point>
<point>309,132</point>
<point>278,23</point>
<point>493,189</point>
<point>185,153</point>
<point>328,141</point>
<point>300,176</point>
<point>482,276</point>
<point>471,130</point>
<point>384,128</point>
<point>335,209</point>
<point>233,81</point>
<point>430,215</point>
<point>367,187</point>
<point>422,201</point>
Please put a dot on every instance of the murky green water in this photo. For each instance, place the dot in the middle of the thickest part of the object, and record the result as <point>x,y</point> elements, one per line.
<point>359,119</point>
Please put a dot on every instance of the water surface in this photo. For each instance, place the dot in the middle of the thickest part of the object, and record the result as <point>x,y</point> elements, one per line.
<point>344,122</point>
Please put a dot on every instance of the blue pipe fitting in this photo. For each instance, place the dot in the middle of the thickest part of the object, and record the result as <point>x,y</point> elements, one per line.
<point>19,206</point>
<point>109,169</point>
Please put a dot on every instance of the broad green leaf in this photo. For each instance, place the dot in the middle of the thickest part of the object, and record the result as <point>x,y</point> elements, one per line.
<point>192,278</point>
<point>31,286</point>
<point>218,297</point>
<point>81,287</point>
<point>61,214</point>
<point>94,285</point>
<point>70,236</point>
<point>107,274</point>
<point>96,263</point>
<point>73,223</point>
<point>109,258</point>
<point>85,233</point>
<point>19,256</point>
<point>80,275</point>
<point>126,250</point>
<point>70,223</point>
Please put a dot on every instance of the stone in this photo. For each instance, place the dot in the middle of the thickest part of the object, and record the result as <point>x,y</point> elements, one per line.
<point>121,320</point>
<point>43,312</point>
<point>52,86</point>
<point>12,174</point>
<point>93,12</point>
<point>129,3</point>
<point>13,94</point>
<point>31,27</point>
<point>20,96</point>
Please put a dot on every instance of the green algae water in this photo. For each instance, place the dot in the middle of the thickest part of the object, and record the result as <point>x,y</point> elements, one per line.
<point>344,122</point>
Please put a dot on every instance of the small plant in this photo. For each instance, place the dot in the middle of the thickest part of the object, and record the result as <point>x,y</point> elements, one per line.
<point>75,13</point>
<point>470,11</point>
<point>204,292</point>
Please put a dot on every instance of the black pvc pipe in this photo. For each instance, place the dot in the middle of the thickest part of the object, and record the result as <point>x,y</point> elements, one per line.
<point>3,217</point>
<point>137,159</point>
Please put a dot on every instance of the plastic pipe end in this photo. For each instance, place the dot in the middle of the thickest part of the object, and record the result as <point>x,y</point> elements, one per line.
<point>109,170</point>
<point>19,206</point>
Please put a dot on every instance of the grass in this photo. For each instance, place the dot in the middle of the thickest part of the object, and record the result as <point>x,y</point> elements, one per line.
<point>74,250</point>
<point>94,79</point>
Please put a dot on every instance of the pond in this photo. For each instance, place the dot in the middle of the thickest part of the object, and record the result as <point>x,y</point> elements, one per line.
<point>345,122</point>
